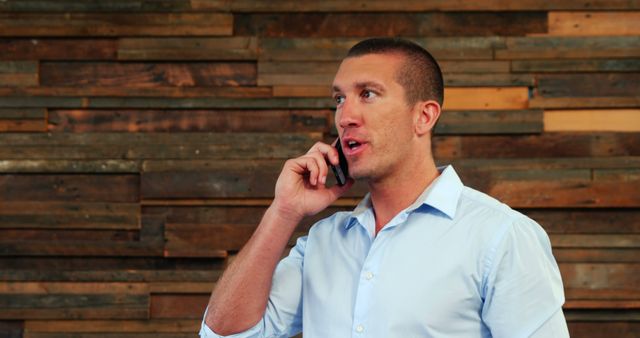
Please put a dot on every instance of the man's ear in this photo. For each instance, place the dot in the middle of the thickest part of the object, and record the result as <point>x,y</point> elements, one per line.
<point>428,114</point>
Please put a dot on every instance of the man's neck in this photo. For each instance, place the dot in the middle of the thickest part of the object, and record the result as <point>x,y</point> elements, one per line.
<point>392,195</point>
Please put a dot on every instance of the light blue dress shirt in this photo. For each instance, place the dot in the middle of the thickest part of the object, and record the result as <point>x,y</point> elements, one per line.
<point>456,263</point>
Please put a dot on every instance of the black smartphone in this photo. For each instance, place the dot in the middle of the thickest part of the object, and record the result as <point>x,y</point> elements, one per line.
<point>341,170</point>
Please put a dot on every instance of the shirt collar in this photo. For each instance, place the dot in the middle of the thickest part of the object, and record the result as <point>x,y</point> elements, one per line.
<point>442,194</point>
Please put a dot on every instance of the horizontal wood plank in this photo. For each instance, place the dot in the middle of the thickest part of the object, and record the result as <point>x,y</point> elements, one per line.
<point>390,24</point>
<point>69,166</point>
<point>584,65</point>
<point>70,188</point>
<point>594,23</point>
<point>585,102</point>
<point>176,306</point>
<point>26,126</point>
<point>272,121</point>
<point>588,85</point>
<point>96,146</point>
<point>601,328</point>
<point>200,49</point>
<point>18,73</point>
<point>117,24</point>
<point>61,215</point>
<point>140,92</point>
<point>112,326</point>
<point>147,74</point>
<point>619,120</point>
<point>404,5</point>
<point>551,47</point>
<point>57,49</point>
<point>94,6</point>
<point>608,255</point>
<point>22,113</point>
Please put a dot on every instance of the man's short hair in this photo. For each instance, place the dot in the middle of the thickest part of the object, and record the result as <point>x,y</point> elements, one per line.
<point>420,75</point>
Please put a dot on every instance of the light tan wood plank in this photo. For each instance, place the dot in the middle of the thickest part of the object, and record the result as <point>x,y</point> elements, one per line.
<point>619,120</point>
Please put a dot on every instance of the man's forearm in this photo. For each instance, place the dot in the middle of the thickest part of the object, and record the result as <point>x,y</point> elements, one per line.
<point>240,297</point>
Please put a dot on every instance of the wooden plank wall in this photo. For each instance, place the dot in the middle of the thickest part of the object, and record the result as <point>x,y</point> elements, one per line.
<point>140,141</point>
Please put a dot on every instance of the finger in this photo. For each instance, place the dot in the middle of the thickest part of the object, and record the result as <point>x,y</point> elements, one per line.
<point>311,164</point>
<point>327,151</point>
<point>323,168</point>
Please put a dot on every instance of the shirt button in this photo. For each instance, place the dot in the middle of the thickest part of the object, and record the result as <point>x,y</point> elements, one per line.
<point>369,275</point>
<point>359,328</point>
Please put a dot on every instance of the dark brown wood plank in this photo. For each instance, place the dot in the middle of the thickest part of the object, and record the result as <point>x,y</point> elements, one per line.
<point>52,101</point>
<point>589,85</point>
<point>18,73</point>
<point>94,6</point>
<point>543,146</point>
<point>96,146</point>
<point>117,24</point>
<point>390,24</point>
<point>147,74</point>
<point>25,126</point>
<point>178,306</point>
<point>70,166</point>
<point>272,121</point>
<point>165,268</point>
<point>489,80</point>
<point>570,255</point>
<point>551,47</point>
<point>112,326</point>
<point>591,221</point>
<point>11,328</point>
<point>85,188</point>
<point>600,329</point>
<point>225,48</point>
<point>490,122</point>
<point>404,5</point>
<point>584,65</point>
<point>57,49</point>
<point>165,91</point>
<point>121,275</point>
<point>621,276</point>
<point>335,49</point>
<point>31,300</point>
<point>61,215</point>
<point>22,113</point>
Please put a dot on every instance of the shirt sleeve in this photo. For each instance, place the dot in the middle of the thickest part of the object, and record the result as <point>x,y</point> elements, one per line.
<point>283,316</point>
<point>522,289</point>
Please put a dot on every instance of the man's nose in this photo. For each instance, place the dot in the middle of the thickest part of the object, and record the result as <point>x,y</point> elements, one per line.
<point>349,115</point>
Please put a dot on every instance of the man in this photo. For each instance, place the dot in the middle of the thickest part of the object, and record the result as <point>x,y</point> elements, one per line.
<point>421,256</point>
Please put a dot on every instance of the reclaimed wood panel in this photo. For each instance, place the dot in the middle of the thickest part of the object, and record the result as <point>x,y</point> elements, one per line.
<point>585,102</point>
<point>603,329</point>
<point>561,66</point>
<point>21,113</point>
<point>57,49</point>
<point>63,215</point>
<point>95,146</point>
<point>70,166</point>
<point>620,120</point>
<point>594,23</point>
<point>34,300</point>
<point>23,126</point>
<point>177,306</point>
<point>587,221</point>
<point>164,103</point>
<point>490,122</point>
<point>335,49</point>
<point>111,326</point>
<point>214,93</point>
<point>589,85</point>
<point>110,120</point>
<point>390,24</point>
<point>94,6</point>
<point>18,73</point>
<point>405,5</point>
<point>608,255</point>
<point>197,49</point>
<point>64,187</point>
<point>11,328</point>
<point>147,74</point>
<point>552,47</point>
<point>117,24</point>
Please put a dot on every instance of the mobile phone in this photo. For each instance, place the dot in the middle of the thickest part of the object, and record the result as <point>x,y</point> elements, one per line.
<point>341,170</point>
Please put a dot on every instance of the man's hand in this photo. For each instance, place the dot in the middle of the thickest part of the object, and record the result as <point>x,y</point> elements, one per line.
<point>301,190</point>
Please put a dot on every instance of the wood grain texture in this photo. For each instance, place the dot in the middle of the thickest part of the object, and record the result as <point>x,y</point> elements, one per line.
<point>18,73</point>
<point>88,188</point>
<point>111,120</point>
<point>204,74</point>
<point>108,25</point>
<point>618,120</point>
<point>598,23</point>
<point>57,49</point>
<point>560,66</point>
<point>213,93</point>
<point>589,85</point>
<point>390,24</point>
<point>200,49</point>
<point>112,326</point>
<point>94,6</point>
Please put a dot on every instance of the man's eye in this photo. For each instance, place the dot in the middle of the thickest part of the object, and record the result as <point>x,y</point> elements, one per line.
<point>339,99</point>
<point>367,94</point>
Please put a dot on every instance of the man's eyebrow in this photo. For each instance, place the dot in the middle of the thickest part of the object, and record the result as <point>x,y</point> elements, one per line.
<point>363,84</point>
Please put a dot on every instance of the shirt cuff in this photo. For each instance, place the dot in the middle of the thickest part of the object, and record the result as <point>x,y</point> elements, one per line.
<point>206,332</point>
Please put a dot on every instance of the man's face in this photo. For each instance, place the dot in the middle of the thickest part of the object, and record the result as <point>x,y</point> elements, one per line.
<point>373,119</point>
